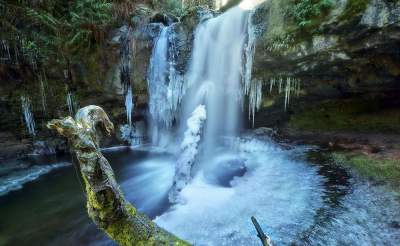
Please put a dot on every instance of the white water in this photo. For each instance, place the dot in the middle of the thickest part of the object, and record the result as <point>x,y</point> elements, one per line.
<point>215,75</point>
<point>283,194</point>
<point>28,116</point>
<point>189,151</point>
<point>224,179</point>
<point>16,179</point>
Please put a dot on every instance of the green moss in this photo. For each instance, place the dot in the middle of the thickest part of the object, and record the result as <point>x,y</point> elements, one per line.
<point>353,8</point>
<point>379,169</point>
<point>292,22</point>
<point>308,13</point>
<point>354,115</point>
<point>121,229</point>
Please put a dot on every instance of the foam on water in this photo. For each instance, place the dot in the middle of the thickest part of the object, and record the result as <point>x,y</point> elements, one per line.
<point>283,194</point>
<point>288,197</point>
<point>369,215</point>
<point>16,179</point>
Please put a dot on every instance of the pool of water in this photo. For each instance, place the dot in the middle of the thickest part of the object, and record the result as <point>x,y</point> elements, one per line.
<point>296,200</point>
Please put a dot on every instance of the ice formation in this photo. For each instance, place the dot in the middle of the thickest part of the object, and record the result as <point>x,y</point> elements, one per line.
<point>28,115</point>
<point>189,151</point>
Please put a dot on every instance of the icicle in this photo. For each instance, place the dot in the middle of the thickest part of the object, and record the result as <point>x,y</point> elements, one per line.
<point>125,73</point>
<point>175,85</point>
<point>16,54</point>
<point>280,85</point>
<point>298,88</point>
<point>70,103</point>
<point>271,84</point>
<point>28,116</point>
<point>249,53</point>
<point>5,47</point>
<point>43,92</point>
<point>129,105</point>
<point>286,95</point>
<point>255,99</point>
<point>289,90</point>
<point>8,51</point>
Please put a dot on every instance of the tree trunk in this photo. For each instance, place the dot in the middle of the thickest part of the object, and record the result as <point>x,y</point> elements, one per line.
<point>106,204</point>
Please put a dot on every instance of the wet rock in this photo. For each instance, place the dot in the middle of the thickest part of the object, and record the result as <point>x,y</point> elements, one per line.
<point>264,131</point>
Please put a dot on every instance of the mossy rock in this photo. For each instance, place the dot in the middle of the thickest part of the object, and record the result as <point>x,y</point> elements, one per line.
<point>354,115</point>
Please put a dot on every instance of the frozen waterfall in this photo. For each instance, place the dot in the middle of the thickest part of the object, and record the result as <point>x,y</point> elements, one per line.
<point>125,73</point>
<point>165,84</point>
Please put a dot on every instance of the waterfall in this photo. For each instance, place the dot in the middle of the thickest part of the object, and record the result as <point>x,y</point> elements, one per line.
<point>28,116</point>
<point>165,84</point>
<point>125,73</point>
<point>215,74</point>
<point>189,151</point>
<point>218,79</point>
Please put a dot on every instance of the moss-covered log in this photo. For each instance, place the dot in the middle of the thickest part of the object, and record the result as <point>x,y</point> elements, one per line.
<point>106,203</point>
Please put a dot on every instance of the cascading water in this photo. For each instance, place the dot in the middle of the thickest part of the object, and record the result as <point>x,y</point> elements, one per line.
<point>28,116</point>
<point>215,75</point>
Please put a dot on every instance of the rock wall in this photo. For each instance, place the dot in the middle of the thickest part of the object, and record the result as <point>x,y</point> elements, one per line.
<point>353,52</point>
<point>93,80</point>
<point>351,55</point>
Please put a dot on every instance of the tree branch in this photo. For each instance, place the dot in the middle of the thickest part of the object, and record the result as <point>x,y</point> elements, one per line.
<point>106,204</point>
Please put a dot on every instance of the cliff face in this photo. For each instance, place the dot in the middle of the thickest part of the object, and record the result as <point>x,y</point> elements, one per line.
<point>352,52</point>
<point>94,79</point>
<point>348,57</point>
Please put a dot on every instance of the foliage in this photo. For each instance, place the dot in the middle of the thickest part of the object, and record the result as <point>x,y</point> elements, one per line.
<point>304,11</point>
<point>172,6</point>
<point>54,29</point>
